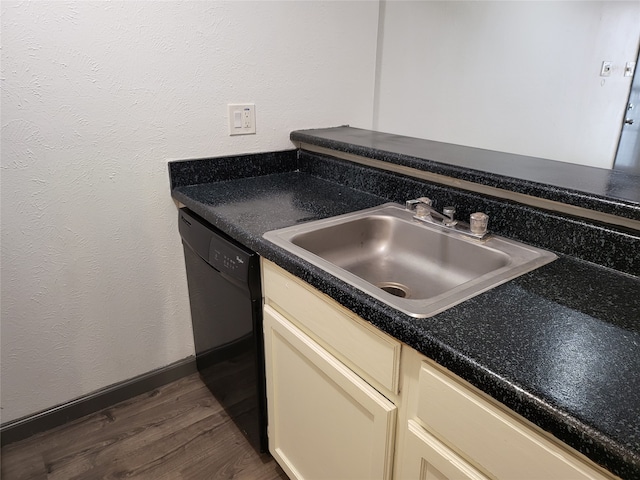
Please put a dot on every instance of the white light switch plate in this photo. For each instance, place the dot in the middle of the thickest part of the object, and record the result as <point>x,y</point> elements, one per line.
<point>242,118</point>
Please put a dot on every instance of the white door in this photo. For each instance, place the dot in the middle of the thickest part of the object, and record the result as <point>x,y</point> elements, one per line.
<point>628,154</point>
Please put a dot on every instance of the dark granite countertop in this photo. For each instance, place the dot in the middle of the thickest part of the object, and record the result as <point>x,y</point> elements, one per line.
<point>609,191</point>
<point>559,345</point>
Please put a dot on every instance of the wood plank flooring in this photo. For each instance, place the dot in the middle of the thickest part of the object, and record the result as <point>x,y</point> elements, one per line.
<point>178,431</point>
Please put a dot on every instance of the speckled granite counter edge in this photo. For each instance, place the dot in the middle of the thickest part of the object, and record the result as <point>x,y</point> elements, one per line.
<point>217,169</point>
<point>578,198</point>
<point>552,231</point>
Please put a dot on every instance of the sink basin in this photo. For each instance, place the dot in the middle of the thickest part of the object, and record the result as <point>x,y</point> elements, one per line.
<point>418,268</point>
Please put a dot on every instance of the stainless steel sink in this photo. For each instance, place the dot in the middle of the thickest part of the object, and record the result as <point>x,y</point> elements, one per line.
<point>417,268</point>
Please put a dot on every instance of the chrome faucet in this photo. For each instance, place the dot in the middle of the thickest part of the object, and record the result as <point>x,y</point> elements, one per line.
<point>424,211</point>
<point>423,207</point>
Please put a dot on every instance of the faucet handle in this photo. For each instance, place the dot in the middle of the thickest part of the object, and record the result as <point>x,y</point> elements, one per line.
<point>478,223</point>
<point>412,204</point>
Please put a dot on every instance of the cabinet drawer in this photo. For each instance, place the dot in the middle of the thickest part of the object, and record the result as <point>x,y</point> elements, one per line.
<point>498,443</point>
<point>372,354</point>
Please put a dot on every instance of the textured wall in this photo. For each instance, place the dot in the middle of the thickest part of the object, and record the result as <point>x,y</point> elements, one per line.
<point>96,97</point>
<point>519,77</point>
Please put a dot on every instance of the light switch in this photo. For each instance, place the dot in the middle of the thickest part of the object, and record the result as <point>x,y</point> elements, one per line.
<point>242,118</point>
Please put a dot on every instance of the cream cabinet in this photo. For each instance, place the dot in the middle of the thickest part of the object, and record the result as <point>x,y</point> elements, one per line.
<point>348,402</point>
<point>426,458</point>
<point>452,430</point>
<point>325,421</point>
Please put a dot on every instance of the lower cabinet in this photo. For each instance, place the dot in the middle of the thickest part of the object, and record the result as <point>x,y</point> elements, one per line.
<point>426,458</point>
<point>325,422</point>
<point>349,402</point>
<point>450,430</point>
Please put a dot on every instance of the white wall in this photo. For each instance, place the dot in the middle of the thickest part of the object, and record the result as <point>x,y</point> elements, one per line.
<point>520,77</point>
<point>96,97</point>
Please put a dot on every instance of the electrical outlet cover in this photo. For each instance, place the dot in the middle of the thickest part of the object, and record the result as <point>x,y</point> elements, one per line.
<point>246,112</point>
<point>629,68</point>
<point>605,70</point>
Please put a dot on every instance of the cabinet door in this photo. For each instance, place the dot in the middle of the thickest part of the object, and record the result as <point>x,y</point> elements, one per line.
<point>325,422</point>
<point>425,458</point>
<point>497,442</point>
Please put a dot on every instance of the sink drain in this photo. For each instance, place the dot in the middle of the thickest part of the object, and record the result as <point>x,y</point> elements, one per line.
<point>394,288</point>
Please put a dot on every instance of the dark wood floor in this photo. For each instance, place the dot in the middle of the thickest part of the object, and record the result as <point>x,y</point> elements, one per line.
<point>178,431</point>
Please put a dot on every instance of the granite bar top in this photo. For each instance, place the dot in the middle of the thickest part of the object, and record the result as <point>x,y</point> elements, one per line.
<point>559,345</point>
<point>608,191</point>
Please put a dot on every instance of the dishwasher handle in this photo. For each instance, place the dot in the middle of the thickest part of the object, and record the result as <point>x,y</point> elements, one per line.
<point>194,234</point>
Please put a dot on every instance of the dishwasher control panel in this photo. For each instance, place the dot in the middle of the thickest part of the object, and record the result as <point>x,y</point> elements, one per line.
<point>223,259</point>
<point>216,248</point>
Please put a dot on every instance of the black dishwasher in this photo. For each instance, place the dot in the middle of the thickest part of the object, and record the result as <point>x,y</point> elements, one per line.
<point>226,311</point>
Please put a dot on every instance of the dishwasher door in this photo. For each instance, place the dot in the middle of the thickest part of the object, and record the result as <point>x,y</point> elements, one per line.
<point>226,314</point>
